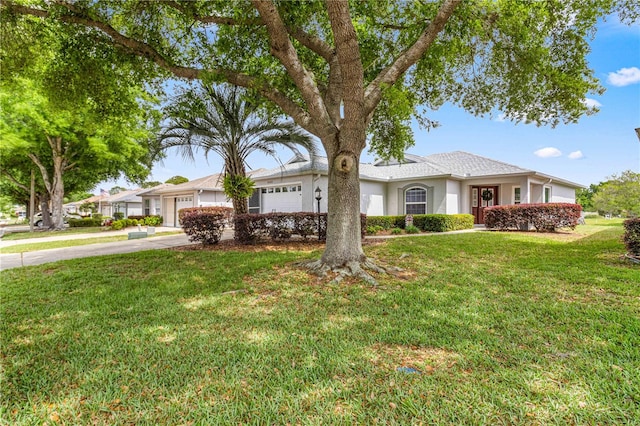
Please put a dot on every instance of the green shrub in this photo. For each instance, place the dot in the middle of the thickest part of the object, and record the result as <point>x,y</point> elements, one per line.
<point>85,222</point>
<point>153,220</point>
<point>396,231</point>
<point>116,225</point>
<point>443,222</point>
<point>412,229</point>
<point>386,222</point>
<point>374,229</point>
<point>592,216</point>
<point>118,215</point>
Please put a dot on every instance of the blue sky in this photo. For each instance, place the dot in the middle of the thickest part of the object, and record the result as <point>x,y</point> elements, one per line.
<point>595,148</point>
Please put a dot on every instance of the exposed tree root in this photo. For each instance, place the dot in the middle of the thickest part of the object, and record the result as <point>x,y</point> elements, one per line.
<point>353,269</point>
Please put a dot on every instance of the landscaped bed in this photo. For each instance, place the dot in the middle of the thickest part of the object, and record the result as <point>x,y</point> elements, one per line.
<point>481,328</point>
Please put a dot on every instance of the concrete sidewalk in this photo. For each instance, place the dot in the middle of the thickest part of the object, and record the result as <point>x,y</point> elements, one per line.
<point>16,260</point>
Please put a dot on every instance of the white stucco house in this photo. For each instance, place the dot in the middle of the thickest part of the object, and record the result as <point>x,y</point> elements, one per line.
<point>127,202</point>
<point>169,199</point>
<point>446,183</point>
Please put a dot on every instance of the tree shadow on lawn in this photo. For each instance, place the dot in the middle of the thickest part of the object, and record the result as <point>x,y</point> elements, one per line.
<point>477,322</point>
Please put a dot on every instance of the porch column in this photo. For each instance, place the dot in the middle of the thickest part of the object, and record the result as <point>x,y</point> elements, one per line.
<point>525,191</point>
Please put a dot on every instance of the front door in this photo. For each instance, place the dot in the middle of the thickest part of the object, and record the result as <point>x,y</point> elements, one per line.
<point>481,198</point>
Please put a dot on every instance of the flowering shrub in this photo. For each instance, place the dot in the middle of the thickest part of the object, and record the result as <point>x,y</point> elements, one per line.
<point>226,211</point>
<point>205,226</point>
<point>631,236</point>
<point>250,228</point>
<point>546,217</point>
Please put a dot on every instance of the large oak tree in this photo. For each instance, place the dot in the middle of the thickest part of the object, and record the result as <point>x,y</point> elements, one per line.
<point>355,72</point>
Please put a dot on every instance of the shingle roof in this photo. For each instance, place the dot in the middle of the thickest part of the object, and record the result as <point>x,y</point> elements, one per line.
<point>125,196</point>
<point>211,183</point>
<point>457,164</point>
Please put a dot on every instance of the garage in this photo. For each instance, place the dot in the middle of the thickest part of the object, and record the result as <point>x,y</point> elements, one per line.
<point>172,206</point>
<point>285,198</point>
<point>183,203</point>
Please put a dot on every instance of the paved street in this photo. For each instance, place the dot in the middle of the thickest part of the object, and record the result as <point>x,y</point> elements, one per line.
<point>16,260</point>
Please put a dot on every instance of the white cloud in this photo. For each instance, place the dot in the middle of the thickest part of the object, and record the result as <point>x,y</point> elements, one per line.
<point>548,152</point>
<point>575,155</point>
<point>592,103</point>
<point>624,77</point>
<point>501,118</point>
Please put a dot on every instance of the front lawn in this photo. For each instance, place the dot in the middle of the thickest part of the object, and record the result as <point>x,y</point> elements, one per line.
<point>480,328</point>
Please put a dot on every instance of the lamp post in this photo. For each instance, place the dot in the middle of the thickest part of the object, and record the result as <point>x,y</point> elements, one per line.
<point>318,198</point>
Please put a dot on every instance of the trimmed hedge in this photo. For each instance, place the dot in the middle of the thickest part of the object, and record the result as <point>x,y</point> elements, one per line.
<point>546,217</point>
<point>205,227</point>
<point>631,236</point>
<point>424,222</point>
<point>386,222</point>
<point>443,222</point>
<point>250,228</point>
<point>84,223</point>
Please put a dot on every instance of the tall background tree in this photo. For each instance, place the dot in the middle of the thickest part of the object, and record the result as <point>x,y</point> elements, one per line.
<point>74,126</point>
<point>224,121</point>
<point>619,195</point>
<point>355,73</point>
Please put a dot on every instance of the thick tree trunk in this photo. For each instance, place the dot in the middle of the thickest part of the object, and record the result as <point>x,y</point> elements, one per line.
<point>344,243</point>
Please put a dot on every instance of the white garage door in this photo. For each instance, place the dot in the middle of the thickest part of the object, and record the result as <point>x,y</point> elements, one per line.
<point>183,203</point>
<point>281,199</point>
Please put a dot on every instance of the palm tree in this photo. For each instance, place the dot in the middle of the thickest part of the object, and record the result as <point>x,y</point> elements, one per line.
<point>224,121</point>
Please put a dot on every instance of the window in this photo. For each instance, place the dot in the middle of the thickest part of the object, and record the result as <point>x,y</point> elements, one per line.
<point>547,194</point>
<point>147,207</point>
<point>285,189</point>
<point>270,190</point>
<point>415,201</point>
<point>278,189</point>
<point>516,195</point>
<point>264,190</point>
<point>293,189</point>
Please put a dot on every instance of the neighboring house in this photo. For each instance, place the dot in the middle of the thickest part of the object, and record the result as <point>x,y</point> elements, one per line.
<point>151,203</point>
<point>440,183</point>
<point>447,183</point>
<point>127,202</point>
<point>202,192</point>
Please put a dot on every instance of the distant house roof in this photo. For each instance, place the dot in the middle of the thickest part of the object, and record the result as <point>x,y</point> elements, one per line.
<point>210,183</point>
<point>154,188</point>
<point>129,196</point>
<point>458,164</point>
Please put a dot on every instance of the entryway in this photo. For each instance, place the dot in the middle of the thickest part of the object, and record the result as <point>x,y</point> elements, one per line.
<point>481,198</point>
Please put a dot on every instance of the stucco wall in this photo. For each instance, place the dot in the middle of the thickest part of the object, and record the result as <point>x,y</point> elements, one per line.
<point>562,194</point>
<point>372,198</point>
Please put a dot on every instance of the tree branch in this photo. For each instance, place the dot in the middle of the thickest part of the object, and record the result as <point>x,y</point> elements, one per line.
<point>43,171</point>
<point>283,50</point>
<point>15,181</point>
<point>393,72</point>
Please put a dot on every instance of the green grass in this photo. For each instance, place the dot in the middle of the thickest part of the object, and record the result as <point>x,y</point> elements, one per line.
<point>24,235</point>
<point>505,328</point>
<point>35,246</point>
